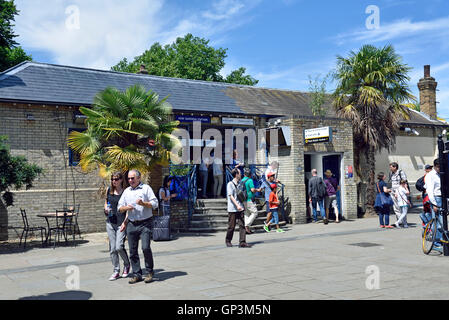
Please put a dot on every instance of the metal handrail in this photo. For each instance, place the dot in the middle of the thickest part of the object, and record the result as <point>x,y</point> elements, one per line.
<point>191,186</point>
<point>258,175</point>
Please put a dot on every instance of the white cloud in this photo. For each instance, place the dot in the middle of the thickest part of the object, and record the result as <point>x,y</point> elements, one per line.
<point>111,30</point>
<point>106,33</point>
<point>433,29</point>
<point>223,9</point>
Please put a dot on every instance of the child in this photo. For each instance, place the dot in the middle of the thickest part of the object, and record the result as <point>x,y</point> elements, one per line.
<point>403,204</point>
<point>274,204</point>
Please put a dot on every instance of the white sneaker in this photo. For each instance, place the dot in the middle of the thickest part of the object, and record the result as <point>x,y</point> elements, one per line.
<point>125,272</point>
<point>114,276</point>
<point>405,226</point>
<point>397,225</point>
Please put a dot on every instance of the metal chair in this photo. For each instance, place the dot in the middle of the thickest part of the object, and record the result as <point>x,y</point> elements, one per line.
<point>76,210</point>
<point>27,228</point>
<point>62,220</point>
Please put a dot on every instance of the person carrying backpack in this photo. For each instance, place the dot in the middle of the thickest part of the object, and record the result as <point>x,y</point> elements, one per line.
<point>426,215</point>
<point>317,192</point>
<point>250,204</point>
<point>235,211</point>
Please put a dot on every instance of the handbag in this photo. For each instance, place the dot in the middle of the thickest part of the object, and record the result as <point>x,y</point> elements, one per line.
<point>382,199</point>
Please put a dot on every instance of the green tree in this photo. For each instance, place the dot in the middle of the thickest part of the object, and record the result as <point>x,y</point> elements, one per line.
<point>318,95</point>
<point>15,172</point>
<point>371,92</point>
<point>125,130</point>
<point>10,53</point>
<point>188,57</point>
<point>238,76</point>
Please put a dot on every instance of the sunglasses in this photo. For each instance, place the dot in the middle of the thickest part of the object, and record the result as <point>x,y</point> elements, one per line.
<point>131,178</point>
<point>116,179</point>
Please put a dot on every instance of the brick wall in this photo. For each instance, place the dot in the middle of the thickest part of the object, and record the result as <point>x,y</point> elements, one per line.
<point>43,142</point>
<point>291,159</point>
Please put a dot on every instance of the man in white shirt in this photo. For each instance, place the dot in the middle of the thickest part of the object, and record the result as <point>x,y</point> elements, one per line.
<point>433,189</point>
<point>235,211</point>
<point>433,186</point>
<point>138,200</point>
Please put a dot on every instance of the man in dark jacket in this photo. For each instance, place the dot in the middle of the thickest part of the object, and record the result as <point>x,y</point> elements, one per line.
<point>316,195</point>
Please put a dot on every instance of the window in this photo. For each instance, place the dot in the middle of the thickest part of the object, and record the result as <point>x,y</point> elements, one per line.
<point>74,157</point>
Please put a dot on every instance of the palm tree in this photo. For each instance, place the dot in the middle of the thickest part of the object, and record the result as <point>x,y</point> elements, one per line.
<point>371,92</point>
<point>125,130</point>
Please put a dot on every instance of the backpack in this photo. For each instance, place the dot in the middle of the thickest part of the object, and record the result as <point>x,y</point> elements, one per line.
<point>420,184</point>
<point>242,195</point>
<point>322,192</point>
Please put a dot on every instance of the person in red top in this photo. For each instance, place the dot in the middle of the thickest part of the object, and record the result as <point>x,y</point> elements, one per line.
<point>274,205</point>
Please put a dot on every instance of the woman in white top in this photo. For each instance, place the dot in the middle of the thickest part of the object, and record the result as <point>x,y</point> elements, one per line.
<point>403,203</point>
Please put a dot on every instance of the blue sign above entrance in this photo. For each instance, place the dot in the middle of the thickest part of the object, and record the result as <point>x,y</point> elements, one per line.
<point>192,118</point>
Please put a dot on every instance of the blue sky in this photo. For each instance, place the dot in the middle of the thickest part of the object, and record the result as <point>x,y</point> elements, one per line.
<point>280,42</point>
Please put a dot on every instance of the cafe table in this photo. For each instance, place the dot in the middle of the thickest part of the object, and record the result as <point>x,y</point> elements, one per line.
<point>53,215</point>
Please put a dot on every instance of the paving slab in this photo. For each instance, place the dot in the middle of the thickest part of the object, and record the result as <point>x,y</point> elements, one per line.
<point>308,262</point>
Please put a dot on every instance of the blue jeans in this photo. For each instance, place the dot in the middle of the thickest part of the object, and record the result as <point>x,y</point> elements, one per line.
<point>322,211</point>
<point>384,215</point>
<point>204,175</point>
<point>439,203</point>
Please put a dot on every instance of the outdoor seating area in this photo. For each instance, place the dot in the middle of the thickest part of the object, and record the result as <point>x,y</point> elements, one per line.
<point>61,226</point>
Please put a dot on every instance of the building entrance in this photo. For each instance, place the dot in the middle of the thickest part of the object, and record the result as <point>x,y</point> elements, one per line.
<point>322,162</point>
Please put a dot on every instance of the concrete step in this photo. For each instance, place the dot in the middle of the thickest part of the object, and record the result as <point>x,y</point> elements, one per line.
<point>207,229</point>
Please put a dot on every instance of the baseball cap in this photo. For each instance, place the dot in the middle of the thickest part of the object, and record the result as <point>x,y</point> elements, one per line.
<point>270,174</point>
<point>273,185</point>
<point>428,166</point>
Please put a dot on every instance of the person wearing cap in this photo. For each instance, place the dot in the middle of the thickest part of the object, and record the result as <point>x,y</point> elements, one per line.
<point>274,205</point>
<point>433,189</point>
<point>331,199</point>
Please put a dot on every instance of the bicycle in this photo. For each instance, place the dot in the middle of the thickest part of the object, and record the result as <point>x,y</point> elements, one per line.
<point>430,231</point>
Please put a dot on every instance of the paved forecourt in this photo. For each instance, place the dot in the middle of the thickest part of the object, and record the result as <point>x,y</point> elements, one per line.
<point>350,260</point>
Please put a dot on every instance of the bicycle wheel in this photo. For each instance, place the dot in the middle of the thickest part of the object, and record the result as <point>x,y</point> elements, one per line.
<point>428,236</point>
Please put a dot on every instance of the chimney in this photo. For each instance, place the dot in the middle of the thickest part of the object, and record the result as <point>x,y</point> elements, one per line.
<point>142,69</point>
<point>427,94</point>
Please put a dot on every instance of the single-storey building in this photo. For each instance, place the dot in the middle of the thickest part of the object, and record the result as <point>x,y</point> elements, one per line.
<point>39,107</point>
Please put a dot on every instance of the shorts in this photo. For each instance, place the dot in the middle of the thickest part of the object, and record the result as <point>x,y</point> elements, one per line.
<point>275,216</point>
<point>331,200</point>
